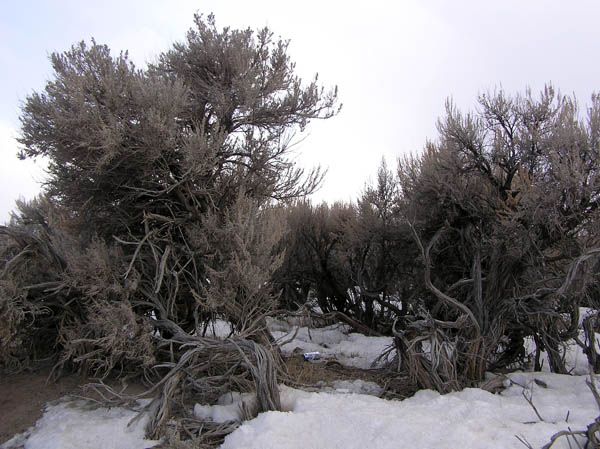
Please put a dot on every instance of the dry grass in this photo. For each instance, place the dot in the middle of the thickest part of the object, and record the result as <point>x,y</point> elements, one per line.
<point>305,374</point>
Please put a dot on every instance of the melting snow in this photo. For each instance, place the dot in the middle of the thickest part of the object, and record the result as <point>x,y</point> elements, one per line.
<point>73,425</point>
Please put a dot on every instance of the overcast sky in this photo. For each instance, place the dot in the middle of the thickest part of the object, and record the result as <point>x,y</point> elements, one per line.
<point>394,63</point>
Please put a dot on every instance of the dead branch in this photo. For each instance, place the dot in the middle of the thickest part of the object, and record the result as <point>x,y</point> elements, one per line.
<point>592,432</point>
<point>425,254</point>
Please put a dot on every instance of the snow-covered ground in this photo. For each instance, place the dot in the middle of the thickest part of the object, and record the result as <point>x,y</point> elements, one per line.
<point>349,414</point>
<point>74,425</point>
<point>335,342</point>
<point>469,419</point>
<point>228,407</point>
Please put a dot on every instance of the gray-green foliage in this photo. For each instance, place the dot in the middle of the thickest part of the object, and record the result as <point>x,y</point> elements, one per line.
<point>487,237</point>
<point>162,189</point>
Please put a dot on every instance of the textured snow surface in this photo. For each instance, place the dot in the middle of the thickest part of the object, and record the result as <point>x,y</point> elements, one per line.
<point>348,414</point>
<point>229,405</point>
<point>469,419</point>
<point>70,425</point>
<point>333,342</point>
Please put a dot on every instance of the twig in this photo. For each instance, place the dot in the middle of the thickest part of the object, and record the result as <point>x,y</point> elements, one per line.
<point>530,401</point>
<point>524,441</point>
<point>562,433</point>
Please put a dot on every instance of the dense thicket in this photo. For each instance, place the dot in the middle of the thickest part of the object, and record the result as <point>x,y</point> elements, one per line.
<point>487,238</point>
<point>161,210</point>
<point>504,208</point>
<point>172,201</point>
<point>352,259</point>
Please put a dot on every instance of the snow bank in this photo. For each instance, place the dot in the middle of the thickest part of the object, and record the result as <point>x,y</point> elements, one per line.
<point>469,419</point>
<point>229,406</point>
<point>72,425</point>
<point>348,414</point>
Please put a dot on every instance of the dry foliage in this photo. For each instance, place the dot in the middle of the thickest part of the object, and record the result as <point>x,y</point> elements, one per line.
<point>488,237</point>
<point>504,211</point>
<point>161,213</point>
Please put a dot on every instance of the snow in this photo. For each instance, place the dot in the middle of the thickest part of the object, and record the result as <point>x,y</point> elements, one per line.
<point>340,418</point>
<point>229,406</point>
<point>74,425</point>
<point>334,342</point>
<point>349,414</point>
<point>469,419</point>
<point>584,312</point>
<point>219,329</point>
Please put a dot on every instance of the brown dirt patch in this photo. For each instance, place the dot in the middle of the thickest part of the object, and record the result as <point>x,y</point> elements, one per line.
<point>311,373</point>
<point>307,374</point>
<point>24,395</point>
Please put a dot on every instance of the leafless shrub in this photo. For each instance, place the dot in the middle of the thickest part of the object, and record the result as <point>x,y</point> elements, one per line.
<point>13,315</point>
<point>202,370</point>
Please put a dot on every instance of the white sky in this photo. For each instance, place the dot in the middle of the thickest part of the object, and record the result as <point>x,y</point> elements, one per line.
<point>395,63</point>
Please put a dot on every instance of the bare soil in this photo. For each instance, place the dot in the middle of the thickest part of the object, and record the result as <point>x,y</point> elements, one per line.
<point>23,396</point>
<point>306,374</point>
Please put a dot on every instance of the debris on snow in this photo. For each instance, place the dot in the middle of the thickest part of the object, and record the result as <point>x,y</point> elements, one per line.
<point>334,342</point>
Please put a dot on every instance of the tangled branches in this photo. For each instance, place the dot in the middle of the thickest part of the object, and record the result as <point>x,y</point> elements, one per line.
<point>449,354</point>
<point>202,370</point>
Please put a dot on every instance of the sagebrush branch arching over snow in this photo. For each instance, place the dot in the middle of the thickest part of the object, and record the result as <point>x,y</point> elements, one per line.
<point>493,227</point>
<point>161,210</point>
<point>173,200</point>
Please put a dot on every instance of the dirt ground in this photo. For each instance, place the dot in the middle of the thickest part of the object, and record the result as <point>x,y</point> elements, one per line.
<point>306,374</point>
<point>23,396</point>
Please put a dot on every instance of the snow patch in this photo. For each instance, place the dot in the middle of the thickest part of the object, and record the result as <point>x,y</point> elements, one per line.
<point>469,419</point>
<point>334,342</point>
<point>73,425</point>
